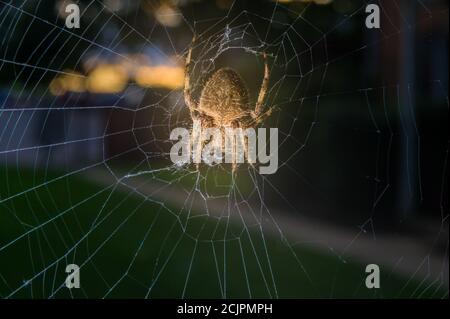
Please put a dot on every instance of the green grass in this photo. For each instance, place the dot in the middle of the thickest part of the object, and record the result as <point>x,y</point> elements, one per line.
<point>131,247</point>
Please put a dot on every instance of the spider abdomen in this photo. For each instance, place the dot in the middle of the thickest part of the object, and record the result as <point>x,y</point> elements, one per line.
<point>225,97</point>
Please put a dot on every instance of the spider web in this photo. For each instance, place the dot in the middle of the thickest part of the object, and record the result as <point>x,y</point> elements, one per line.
<point>87,179</point>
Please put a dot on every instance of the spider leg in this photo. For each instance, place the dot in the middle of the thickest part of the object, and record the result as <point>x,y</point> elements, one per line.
<point>261,117</point>
<point>264,86</point>
<point>191,104</point>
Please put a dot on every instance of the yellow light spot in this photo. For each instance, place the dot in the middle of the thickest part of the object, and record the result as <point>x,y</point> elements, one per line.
<point>107,78</point>
<point>57,87</point>
<point>168,15</point>
<point>68,81</point>
<point>170,77</point>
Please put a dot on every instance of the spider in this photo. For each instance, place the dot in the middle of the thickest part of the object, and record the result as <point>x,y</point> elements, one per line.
<point>224,100</point>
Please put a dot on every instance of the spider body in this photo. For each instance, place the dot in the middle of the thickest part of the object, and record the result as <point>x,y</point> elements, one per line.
<point>224,100</point>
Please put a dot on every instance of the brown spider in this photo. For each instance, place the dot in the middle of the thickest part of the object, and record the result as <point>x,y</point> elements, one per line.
<point>224,100</point>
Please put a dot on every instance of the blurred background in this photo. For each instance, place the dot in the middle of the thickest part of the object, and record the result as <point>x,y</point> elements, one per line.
<point>85,176</point>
